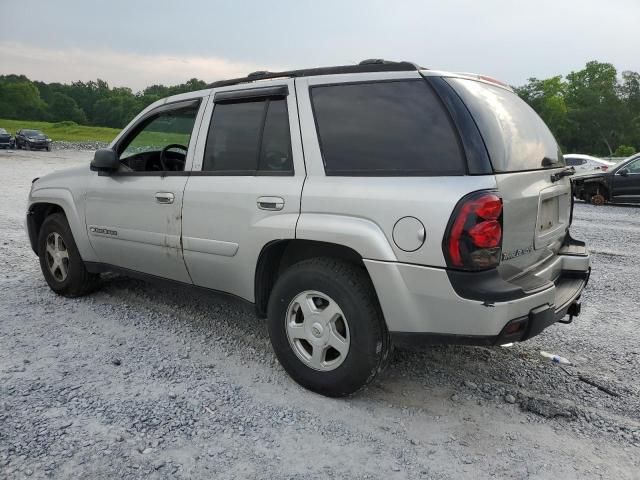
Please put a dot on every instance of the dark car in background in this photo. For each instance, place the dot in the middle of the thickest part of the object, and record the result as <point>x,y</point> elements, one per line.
<point>6,140</point>
<point>620,184</point>
<point>32,140</point>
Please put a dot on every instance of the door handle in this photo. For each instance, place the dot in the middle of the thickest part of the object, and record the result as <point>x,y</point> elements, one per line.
<point>271,203</point>
<point>165,197</point>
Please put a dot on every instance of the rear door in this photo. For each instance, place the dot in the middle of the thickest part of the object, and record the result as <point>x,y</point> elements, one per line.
<point>245,189</point>
<point>626,185</point>
<point>526,158</point>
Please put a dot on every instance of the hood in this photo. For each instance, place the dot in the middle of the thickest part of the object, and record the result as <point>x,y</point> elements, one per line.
<point>587,176</point>
<point>64,178</point>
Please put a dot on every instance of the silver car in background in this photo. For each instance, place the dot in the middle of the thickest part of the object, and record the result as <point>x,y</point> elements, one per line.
<point>585,164</point>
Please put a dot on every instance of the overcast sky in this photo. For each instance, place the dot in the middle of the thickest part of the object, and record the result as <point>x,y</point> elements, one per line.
<point>138,43</point>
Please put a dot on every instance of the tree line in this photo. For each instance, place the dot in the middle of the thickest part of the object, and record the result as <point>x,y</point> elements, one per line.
<point>86,103</point>
<point>593,110</point>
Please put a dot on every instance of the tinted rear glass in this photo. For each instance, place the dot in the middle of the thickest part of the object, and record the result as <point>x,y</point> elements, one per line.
<point>234,136</point>
<point>385,128</point>
<point>246,137</point>
<point>516,137</point>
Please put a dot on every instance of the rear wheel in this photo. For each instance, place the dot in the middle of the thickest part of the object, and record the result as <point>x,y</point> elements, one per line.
<point>60,261</point>
<point>326,326</point>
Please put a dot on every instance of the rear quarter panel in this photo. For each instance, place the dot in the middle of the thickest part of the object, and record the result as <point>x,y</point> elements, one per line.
<point>374,204</point>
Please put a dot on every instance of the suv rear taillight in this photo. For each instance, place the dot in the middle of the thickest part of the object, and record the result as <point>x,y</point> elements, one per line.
<point>473,240</point>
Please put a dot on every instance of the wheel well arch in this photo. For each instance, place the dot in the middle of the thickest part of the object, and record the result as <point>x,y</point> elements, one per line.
<point>596,187</point>
<point>35,218</point>
<point>278,255</point>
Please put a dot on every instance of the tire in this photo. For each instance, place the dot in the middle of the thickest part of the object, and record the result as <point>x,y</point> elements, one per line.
<point>360,322</point>
<point>48,149</point>
<point>598,199</point>
<point>27,147</point>
<point>77,281</point>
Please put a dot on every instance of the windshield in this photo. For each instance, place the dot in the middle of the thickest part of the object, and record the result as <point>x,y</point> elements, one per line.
<point>32,132</point>
<point>516,137</point>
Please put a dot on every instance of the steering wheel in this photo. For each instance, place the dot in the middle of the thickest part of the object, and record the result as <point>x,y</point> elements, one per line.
<point>276,161</point>
<point>169,147</point>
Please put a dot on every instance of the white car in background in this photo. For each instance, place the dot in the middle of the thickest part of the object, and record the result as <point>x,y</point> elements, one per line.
<point>586,163</point>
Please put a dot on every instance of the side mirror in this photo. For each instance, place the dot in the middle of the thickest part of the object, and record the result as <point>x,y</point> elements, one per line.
<point>105,160</point>
<point>624,172</point>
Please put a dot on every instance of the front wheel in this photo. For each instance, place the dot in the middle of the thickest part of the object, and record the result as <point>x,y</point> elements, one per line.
<point>598,199</point>
<point>60,261</point>
<point>326,326</point>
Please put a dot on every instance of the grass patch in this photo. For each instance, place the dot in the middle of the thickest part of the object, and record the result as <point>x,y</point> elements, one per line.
<point>63,131</point>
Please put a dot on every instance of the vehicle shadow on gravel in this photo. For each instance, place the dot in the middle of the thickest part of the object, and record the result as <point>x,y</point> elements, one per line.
<point>495,376</point>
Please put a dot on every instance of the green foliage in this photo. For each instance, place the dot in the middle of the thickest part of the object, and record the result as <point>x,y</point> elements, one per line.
<point>589,111</point>
<point>67,131</point>
<point>86,103</point>
<point>624,151</point>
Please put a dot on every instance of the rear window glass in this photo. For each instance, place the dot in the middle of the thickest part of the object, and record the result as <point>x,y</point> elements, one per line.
<point>385,128</point>
<point>516,137</point>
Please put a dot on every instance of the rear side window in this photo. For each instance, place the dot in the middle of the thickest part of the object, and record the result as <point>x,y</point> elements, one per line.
<point>249,137</point>
<point>516,137</point>
<point>385,128</point>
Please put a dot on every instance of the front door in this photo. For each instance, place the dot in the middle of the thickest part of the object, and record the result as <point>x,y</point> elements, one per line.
<point>134,215</point>
<point>245,188</point>
<point>626,183</point>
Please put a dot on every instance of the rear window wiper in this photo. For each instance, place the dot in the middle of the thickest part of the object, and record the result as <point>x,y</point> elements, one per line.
<point>563,173</point>
<point>549,162</point>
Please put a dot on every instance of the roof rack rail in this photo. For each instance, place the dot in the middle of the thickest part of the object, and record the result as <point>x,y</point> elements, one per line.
<point>369,65</point>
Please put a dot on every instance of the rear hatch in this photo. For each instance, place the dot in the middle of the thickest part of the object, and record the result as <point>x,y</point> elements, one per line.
<point>526,160</point>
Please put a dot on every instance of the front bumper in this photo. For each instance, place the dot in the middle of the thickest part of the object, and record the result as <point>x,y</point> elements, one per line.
<point>422,307</point>
<point>35,145</point>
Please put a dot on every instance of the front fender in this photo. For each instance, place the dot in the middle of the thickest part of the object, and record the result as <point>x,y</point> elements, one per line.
<point>64,199</point>
<point>359,234</point>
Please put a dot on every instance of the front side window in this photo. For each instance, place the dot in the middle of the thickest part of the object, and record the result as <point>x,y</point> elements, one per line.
<point>385,128</point>
<point>161,142</point>
<point>633,167</point>
<point>249,137</point>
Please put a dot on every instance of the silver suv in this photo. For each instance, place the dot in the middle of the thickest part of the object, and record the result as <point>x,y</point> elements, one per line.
<point>356,207</point>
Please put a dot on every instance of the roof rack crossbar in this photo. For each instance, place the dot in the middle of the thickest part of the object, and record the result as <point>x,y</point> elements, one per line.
<point>370,65</point>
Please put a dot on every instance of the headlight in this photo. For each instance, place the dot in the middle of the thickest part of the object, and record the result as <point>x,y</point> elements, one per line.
<point>48,139</point>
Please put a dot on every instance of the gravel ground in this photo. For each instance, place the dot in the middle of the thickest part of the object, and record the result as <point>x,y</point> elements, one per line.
<point>92,146</point>
<point>146,380</point>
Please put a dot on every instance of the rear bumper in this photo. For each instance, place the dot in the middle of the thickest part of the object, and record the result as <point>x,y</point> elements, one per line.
<point>423,307</point>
